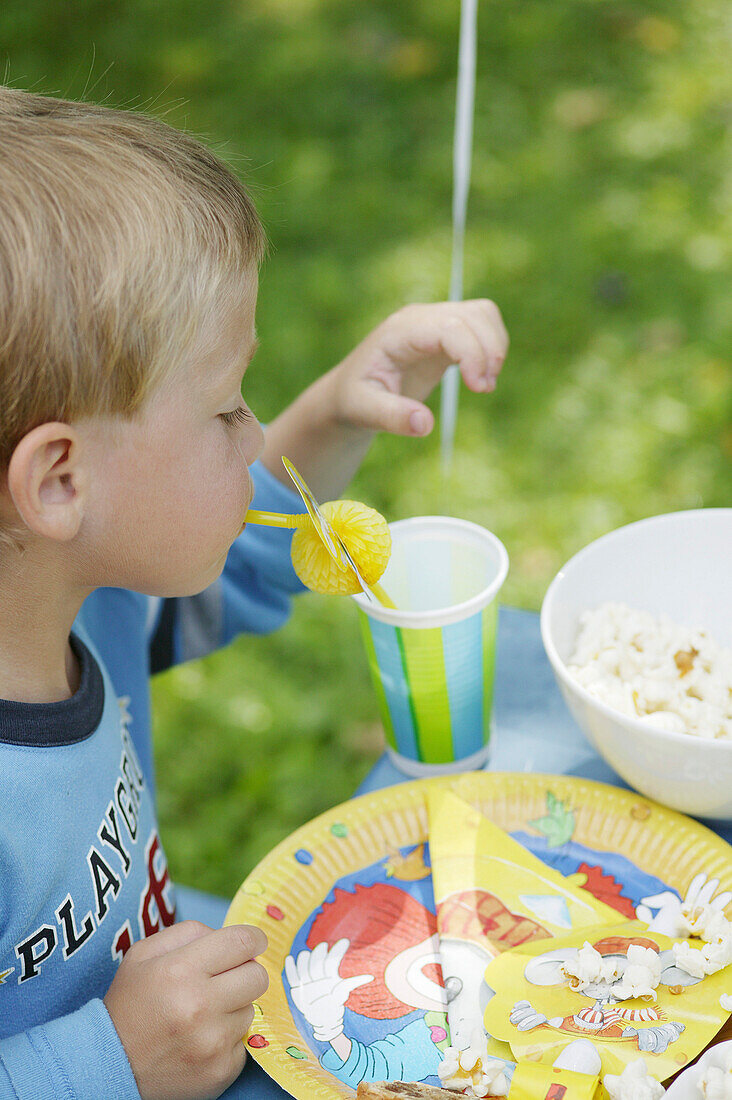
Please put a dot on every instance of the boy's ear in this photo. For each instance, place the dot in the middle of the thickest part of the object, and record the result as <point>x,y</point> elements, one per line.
<point>47,482</point>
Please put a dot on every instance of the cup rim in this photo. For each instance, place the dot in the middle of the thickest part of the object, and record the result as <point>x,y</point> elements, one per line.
<point>637,725</point>
<point>441,616</point>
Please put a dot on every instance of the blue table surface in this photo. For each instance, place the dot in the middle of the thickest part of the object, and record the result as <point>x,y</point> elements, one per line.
<point>534,732</point>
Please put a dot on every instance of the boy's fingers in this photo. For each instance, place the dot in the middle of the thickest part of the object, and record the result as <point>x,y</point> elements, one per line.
<point>172,939</point>
<point>236,989</point>
<point>480,369</point>
<point>461,345</point>
<point>228,948</point>
<point>240,1022</point>
<point>491,333</point>
<point>489,313</point>
<point>473,335</point>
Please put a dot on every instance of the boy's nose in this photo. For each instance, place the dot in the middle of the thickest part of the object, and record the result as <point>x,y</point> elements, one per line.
<point>257,443</point>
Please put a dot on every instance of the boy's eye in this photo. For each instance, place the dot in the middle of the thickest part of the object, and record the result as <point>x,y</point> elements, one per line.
<point>237,416</point>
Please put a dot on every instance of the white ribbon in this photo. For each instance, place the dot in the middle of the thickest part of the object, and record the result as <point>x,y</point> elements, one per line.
<point>462,153</point>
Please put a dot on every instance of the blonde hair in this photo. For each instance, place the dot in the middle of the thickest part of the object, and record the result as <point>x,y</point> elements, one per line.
<point>118,236</point>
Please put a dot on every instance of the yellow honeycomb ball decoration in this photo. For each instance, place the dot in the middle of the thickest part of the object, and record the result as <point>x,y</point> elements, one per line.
<point>366,536</point>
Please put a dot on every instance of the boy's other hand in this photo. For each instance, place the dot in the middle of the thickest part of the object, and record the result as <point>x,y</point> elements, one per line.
<point>181,1002</point>
<point>383,383</point>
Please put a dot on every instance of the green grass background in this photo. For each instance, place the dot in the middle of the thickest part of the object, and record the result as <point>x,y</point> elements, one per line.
<point>600,220</point>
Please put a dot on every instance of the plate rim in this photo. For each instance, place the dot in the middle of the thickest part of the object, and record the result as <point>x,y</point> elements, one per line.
<point>404,796</point>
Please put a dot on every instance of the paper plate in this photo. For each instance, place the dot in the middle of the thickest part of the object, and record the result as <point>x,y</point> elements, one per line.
<point>627,847</point>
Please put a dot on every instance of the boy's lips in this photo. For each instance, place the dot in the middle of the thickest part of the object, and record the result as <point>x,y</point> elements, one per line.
<point>247,507</point>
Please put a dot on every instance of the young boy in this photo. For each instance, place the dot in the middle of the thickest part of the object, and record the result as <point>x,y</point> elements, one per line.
<point>128,282</point>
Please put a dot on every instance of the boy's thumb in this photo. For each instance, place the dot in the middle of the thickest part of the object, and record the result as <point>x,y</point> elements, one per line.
<point>390,412</point>
<point>170,939</point>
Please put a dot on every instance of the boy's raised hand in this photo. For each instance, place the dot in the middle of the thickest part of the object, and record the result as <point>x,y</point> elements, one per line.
<point>181,1002</point>
<point>382,386</point>
<point>383,382</point>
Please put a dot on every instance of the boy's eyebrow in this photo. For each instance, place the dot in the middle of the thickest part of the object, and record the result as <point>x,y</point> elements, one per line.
<point>235,374</point>
<point>214,382</point>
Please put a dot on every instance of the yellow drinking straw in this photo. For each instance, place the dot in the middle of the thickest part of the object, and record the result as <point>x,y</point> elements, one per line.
<point>339,548</point>
<point>276,519</point>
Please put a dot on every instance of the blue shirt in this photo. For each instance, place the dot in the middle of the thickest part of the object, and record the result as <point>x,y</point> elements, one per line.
<point>83,873</point>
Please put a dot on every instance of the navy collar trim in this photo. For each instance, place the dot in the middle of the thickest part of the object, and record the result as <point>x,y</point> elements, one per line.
<point>41,725</point>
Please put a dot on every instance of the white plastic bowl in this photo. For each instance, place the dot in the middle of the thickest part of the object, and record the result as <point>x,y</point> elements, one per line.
<point>679,565</point>
<point>685,1087</point>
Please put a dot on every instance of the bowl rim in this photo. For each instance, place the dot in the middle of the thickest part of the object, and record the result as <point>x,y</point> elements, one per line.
<point>560,668</point>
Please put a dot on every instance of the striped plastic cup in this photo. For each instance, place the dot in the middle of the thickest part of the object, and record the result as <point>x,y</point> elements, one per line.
<point>432,661</point>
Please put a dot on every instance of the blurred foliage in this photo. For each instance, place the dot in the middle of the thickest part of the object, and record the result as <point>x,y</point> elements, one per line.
<point>600,220</point>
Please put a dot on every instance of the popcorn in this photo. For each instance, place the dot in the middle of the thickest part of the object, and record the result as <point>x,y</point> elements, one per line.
<point>634,1083</point>
<point>716,928</point>
<point>688,958</point>
<point>708,923</point>
<point>651,668</point>
<point>715,1084</point>
<point>716,1081</point>
<point>717,955</point>
<point>494,1081</point>
<point>726,1002</point>
<point>587,968</point>
<point>705,922</point>
<point>710,959</point>
<point>471,1069</point>
<point>641,976</point>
